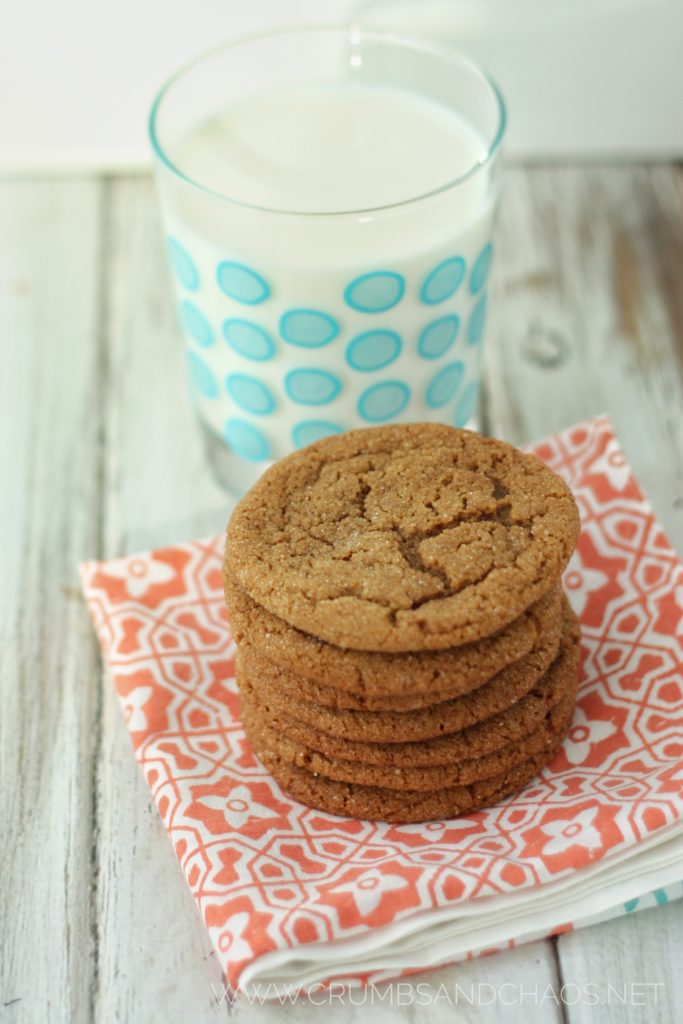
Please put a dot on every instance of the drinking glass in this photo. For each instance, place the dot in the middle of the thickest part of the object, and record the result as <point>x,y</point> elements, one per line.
<point>305,322</point>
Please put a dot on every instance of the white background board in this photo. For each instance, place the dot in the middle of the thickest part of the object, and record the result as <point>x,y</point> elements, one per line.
<point>582,78</point>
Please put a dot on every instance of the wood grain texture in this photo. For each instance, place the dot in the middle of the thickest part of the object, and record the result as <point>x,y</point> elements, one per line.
<point>156,962</point>
<point>50,395</point>
<point>588,320</point>
<point>634,962</point>
<point>103,457</point>
<point>589,314</point>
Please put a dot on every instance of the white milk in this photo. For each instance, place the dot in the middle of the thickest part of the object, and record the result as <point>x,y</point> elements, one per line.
<point>335,148</point>
<point>327,318</point>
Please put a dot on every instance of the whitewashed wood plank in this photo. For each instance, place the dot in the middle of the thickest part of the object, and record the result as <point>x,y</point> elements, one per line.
<point>633,964</point>
<point>156,962</point>
<point>50,396</point>
<point>589,319</point>
<point>589,316</point>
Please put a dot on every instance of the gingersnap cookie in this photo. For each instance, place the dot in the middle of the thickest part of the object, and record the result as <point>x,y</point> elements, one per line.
<point>295,687</point>
<point>263,734</point>
<point>366,680</point>
<point>380,804</point>
<point>486,737</point>
<point>498,695</point>
<point>402,538</point>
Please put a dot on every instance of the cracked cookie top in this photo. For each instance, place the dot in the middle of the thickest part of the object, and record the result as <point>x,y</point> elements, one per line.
<point>402,538</point>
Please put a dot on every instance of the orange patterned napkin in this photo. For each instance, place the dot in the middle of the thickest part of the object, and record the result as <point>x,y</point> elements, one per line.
<point>293,897</point>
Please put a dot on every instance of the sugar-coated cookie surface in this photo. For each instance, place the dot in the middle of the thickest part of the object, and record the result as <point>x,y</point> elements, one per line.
<point>402,538</point>
<point>441,747</point>
<point>368,680</point>
<point>419,777</point>
<point>381,804</point>
<point>312,701</point>
<point>437,719</point>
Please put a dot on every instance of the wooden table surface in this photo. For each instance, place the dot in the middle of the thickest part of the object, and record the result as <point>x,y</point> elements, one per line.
<point>100,456</point>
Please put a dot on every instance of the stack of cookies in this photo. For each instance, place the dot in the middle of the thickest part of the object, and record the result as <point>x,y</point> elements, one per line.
<point>405,649</point>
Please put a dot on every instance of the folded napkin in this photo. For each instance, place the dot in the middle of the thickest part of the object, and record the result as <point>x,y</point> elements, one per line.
<point>294,898</point>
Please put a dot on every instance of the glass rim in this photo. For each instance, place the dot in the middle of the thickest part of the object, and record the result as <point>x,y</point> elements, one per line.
<point>450,53</point>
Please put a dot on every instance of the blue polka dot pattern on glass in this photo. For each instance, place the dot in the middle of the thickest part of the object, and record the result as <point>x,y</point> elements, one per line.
<point>480,269</point>
<point>464,409</point>
<point>182,265</point>
<point>250,340</point>
<point>312,387</point>
<point>241,283</point>
<point>246,440</point>
<point>250,394</point>
<point>443,281</point>
<point>201,376</point>
<point>375,292</point>
<point>309,328</point>
<point>373,350</point>
<point>477,320</point>
<point>383,401</point>
<point>444,385</point>
<point>195,323</point>
<point>309,431</point>
<point>437,337</point>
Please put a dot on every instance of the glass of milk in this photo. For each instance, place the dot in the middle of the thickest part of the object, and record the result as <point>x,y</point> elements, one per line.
<point>328,196</point>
